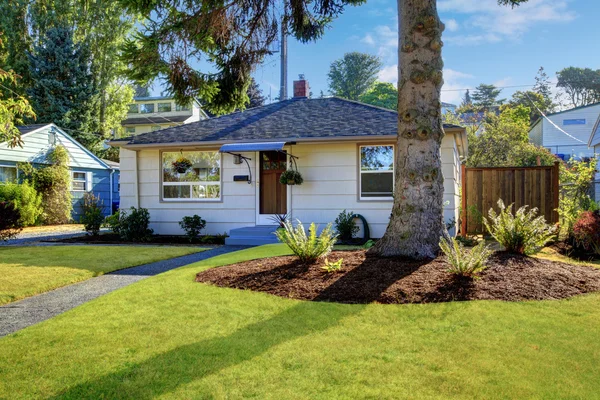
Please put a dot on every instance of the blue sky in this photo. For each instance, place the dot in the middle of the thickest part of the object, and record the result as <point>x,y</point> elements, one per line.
<point>483,43</point>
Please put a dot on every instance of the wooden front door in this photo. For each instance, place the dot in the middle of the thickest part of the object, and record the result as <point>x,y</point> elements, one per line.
<point>273,195</point>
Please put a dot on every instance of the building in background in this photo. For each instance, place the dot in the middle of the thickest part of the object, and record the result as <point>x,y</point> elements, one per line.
<point>567,133</point>
<point>149,114</point>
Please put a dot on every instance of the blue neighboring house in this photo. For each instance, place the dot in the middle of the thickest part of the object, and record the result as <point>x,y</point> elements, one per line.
<point>88,172</point>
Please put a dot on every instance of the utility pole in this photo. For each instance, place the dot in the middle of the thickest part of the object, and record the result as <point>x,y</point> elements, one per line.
<point>283,93</point>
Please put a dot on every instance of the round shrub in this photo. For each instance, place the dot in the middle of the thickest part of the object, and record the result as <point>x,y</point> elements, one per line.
<point>586,231</point>
<point>92,217</point>
<point>345,226</point>
<point>25,198</point>
<point>9,220</point>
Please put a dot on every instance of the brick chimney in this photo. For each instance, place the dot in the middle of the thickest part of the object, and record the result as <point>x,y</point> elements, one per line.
<point>301,88</point>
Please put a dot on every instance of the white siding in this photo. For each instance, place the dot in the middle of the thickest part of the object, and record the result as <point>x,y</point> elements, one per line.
<point>36,147</point>
<point>559,143</point>
<point>330,185</point>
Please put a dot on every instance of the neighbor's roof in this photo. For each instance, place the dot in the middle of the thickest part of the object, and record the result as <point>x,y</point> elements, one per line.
<point>30,128</point>
<point>155,120</point>
<point>285,120</point>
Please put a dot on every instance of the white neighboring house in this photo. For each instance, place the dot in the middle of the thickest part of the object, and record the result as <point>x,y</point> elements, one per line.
<point>148,114</point>
<point>577,122</point>
<point>343,149</point>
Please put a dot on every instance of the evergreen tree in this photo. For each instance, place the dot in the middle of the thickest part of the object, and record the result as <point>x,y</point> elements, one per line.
<point>467,99</point>
<point>351,76</point>
<point>485,97</point>
<point>63,86</point>
<point>255,95</point>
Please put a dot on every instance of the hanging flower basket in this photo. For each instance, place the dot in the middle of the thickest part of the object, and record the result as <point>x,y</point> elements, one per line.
<point>291,177</point>
<point>181,165</point>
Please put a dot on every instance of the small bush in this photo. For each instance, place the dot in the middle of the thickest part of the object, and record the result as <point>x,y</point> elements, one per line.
<point>27,200</point>
<point>92,217</point>
<point>586,231</point>
<point>368,244</point>
<point>133,226</point>
<point>467,240</point>
<point>280,219</point>
<point>331,267</point>
<point>522,233</point>
<point>463,262</point>
<point>10,218</point>
<point>113,222</point>
<point>345,226</point>
<point>192,226</point>
<point>308,248</point>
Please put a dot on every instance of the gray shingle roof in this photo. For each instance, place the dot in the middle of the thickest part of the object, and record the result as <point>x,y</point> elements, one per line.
<point>155,120</point>
<point>285,120</point>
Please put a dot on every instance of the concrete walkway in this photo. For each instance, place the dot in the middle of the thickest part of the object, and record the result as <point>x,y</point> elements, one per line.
<point>29,311</point>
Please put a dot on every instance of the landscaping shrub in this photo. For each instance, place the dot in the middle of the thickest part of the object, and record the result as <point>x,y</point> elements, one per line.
<point>522,233</point>
<point>463,262</point>
<point>133,226</point>
<point>586,231</point>
<point>92,217</point>
<point>331,267</point>
<point>576,179</point>
<point>25,198</point>
<point>280,219</point>
<point>113,222</point>
<point>10,218</point>
<point>192,226</point>
<point>53,182</point>
<point>345,226</point>
<point>308,248</point>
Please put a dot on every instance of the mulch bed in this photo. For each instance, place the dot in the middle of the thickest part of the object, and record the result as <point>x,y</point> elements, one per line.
<point>366,279</point>
<point>567,249</point>
<point>111,238</point>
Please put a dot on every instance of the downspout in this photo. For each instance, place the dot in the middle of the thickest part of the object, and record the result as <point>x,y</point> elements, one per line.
<point>137,185</point>
<point>112,171</point>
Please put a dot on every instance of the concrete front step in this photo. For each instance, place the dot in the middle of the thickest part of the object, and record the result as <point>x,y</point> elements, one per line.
<point>252,236</point>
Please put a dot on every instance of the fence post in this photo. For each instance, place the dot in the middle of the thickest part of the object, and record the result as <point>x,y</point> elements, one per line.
<point>463,211</point>
<point>556,189</point>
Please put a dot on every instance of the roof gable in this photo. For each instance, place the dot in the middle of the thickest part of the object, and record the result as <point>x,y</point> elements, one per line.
<point>286,120</point>
<point>36,147</point>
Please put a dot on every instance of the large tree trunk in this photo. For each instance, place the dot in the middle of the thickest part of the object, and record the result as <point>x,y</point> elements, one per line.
<point>416,223</point>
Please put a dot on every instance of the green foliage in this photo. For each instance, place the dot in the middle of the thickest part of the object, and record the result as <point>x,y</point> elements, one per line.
<point>92,217</point>
<point>192,226</point>
<point>133,226</point>
<point>522,233</point>
<point>25,198</point>
<point>381,94</point>
<point>485,97</point>
<point>352,76</point>
<point>345,226</point>
<point>255,96</point>
<point>291,177</point>
<point>331,267</point>
<point>368,244</point>
<point>113,222</point>
<point>582,85</point>
<point>507,135</point>
<point>586,231</point>
<point>575,181</point>
<point>463,262</point>
<point>53,183</point>
<point>10,218</point>
<point>526,98</point>
<point>308,248</point>
<point>14,109</point>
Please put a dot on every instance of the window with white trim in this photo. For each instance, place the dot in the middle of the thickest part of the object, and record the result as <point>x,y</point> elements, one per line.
<point>133,109</point>
<point>376,180</point>
<point>164,107</point>
<point>147,108</point>
<point>8,174</point>
<point>182,108</point>
<point>79,181</point>
<point>200,181</point>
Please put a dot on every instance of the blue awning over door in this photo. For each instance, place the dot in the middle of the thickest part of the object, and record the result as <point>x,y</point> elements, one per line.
<point>245,147</point>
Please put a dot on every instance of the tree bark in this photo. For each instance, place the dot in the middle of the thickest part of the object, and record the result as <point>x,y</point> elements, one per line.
<point>416,224</point>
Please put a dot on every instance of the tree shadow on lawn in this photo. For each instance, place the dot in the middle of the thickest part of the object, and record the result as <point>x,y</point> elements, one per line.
<point>166,372</point>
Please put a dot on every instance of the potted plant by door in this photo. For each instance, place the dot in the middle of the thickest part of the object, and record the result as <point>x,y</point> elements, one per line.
<point>291,177</point>
<point>181,165</point>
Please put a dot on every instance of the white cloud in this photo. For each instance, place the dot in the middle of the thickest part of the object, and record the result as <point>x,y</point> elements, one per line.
<point>492,23</point>
<point>389,74</point>
<point>368,39</point>
<point>452,25</point>
<point>504,82</point>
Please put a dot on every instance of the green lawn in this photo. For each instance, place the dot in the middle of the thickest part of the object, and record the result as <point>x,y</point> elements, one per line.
<point>172,338</point>
<point>25,271</point>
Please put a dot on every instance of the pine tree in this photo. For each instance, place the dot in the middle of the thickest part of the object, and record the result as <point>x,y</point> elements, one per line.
<point>467,99</point>
<point>255,94</point>
<point>63,88</point>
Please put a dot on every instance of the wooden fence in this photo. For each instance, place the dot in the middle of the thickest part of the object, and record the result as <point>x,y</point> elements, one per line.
<point>530,186</point>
